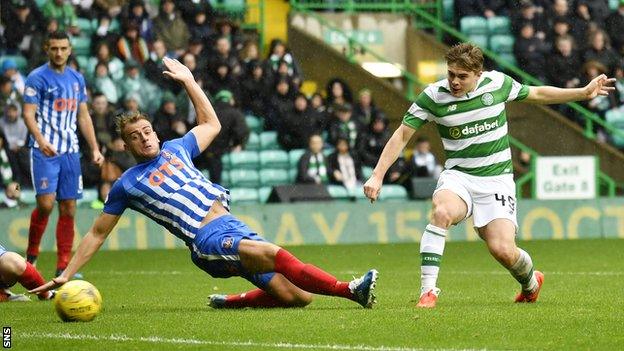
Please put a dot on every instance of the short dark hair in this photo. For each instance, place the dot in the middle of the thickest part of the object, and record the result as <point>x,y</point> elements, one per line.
<point>96,95</point>
<point>58,35</point>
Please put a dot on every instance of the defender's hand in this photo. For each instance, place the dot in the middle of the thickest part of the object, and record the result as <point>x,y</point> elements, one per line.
<point>372,188</point>
<point>52,284</point>
<point>177,71</point>
<point>598,86</point>
<point>98,158</point>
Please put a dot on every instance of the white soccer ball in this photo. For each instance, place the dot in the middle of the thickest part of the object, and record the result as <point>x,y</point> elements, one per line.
<point>77,301</point>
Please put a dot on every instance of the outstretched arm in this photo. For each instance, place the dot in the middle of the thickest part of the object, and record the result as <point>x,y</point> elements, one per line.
<point>553,95</point>
<point>390,153</point>
<point>89,245</point>
<point>208,126</point>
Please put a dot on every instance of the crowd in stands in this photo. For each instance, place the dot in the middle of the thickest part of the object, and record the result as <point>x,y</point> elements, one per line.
<point>565,43</point>
<point>119,45</point>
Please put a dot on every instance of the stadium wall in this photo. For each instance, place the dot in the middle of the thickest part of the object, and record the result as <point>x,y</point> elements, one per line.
<point>341,223</point>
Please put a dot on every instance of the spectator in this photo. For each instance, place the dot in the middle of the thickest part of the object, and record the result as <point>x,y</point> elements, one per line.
<point>600,50</point>
<point>312,166</point>
<point>133,82</point>
<point>597,10</point>
<point>190,9</point>
<point>103,54</point>
<point>131,46</point>
<point>254,90</point>
<point>20,27</point>
<point>105,32</point>
<point>154,68</point>
<point>233,136</point>
<point>562,68</point>
<point>117,160</point>
<point>497,7</point>
<point>365,107</point>
<point>249,53</point>
<point>6,174</point>
<point>7,93</point>
<point>225,28</point>
<point>374,140</point>
<point>615,27</point>
<point>103,82</point>
<point>131,103</point>
<point>338,93</point>
<point>223,53</point>
<point>165,117</point>
<point>530,52</point>
<point>171,29</point>
<point>12,195</point>
<point>278,52</point>
<point>528,14</point>
<point>15,133</point>
<point>64,15</point>
<point>9,70</point>
<point>136,13</point>
<point>297,125</point>
<point>103,120</point>
<point>110,8</point>
<point>343,126</point>
<point>200,28</point>
<point>619,83</point>
<point>317,103</point>
<point>423,163</point>
<point>280,103</point>
<point>221,78</point>
<point>344,166</point>
<point>190,61</point>
<point>599,104</point>
<point>581,24</point>
<point>561,27</point>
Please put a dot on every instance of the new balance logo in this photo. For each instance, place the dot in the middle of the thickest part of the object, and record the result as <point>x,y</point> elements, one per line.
<point>452,108</point>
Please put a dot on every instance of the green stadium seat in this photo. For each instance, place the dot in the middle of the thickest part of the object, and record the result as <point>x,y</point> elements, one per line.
<point>502,43</point>
<point>20,61</point>
<point>264,193</point>
<point>338,192</point>
<point>615,117</point>
<point>392,192</point>
<point>246,178</point>
<point>225,161</point>
<point>613,4</point>
<point>244,196</point>
<point>225,178</point>
<point>28,196</point>
<point>479,40</point>
<point>244,160</point>
<point>273,177</point>
<point>292,174</point>
<point>253,143</point>
<point>40,3</point>
<point>448,11</point>
<point>81,45</point>
<point>294,156</point>
<point>511,58</point>
<point>274,159</point>
<point>499,25</point>
<point>470,25</point>
<point>85,25</point>
<point>367,172</point>
<point>268,141</point>
<point>254,123</point>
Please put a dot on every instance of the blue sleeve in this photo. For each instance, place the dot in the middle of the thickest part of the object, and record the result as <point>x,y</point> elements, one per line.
<point>33,89</point>
<point>116,201</point>
<point>82,96</point>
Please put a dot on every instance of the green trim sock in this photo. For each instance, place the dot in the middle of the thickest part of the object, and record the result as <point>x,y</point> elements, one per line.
<point>522,271</point>
<point>431,250</point>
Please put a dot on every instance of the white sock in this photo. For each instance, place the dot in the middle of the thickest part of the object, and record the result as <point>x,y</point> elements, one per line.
<point>522,271</point>
<point>431,250</point>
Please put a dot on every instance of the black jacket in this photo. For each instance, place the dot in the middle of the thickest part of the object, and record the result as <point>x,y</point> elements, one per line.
<point>234,130</point>
<point>333,165</point>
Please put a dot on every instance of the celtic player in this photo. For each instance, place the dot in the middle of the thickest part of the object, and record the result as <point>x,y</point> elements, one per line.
<point>469,110</point>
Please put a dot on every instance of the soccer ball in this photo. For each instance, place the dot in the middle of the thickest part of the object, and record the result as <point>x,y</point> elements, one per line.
<point>77,301</point>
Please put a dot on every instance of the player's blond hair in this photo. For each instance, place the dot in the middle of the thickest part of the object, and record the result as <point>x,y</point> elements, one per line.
<point>465,55</point>
<point>126,118</point>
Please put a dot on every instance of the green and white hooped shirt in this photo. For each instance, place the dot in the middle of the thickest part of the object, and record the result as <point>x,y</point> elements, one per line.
<point>473,127</point>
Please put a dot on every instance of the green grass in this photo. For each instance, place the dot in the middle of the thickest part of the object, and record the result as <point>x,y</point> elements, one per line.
<point>157,300</point>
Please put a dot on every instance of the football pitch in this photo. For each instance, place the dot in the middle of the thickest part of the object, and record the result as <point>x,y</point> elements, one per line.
<point>156,300</point>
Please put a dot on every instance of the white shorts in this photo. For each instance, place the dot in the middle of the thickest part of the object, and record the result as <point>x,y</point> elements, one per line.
<point>487,198</point>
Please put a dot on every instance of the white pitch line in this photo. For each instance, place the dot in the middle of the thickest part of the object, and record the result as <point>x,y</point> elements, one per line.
<point>501,272</point>
<point>111,272</point>
<point>179,341</point>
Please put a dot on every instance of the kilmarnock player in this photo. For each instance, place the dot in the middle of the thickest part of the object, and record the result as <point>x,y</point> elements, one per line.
<point>54,96</point>
<point>166,187</point>
<point>469,110</point>
<point>13,268</point>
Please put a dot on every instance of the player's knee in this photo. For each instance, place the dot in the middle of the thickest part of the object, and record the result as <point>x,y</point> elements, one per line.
<point>297,299</point>
<point>504,253</point>
<point>12,265</point>
<point>45,208</point>
<point>441,216</point>
<point>67,208</point>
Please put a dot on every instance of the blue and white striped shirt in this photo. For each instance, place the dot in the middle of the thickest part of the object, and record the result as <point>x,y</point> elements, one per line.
<point>168,189</point>
<point>58,97</point>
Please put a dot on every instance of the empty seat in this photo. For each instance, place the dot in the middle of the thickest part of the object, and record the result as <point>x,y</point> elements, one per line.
<point>470,25</point>
<point>615,117</point>
<point>367,172</point>
<point>499,25</point>
<point>481,40</point>
<point>448,11</point>
<point>246,178</point>
<point>28,196</point>
<point>254,123</point>
<point>502,43</point>
<point>274,159</point>
<point>244,160</point>
<point>244,196</point>
<point>264,193</point>
<point>292,175</point>
<point>509,58</point>
<point>225,178</point>
<point>81,45</point>
<point>294,156</point>
<point>268,141</point>
<point>253,143</point>
<point>273,177</point>
<point>85,25</point>
<point>338,192</point>
<point>392,192</point>
<point>225,161</point>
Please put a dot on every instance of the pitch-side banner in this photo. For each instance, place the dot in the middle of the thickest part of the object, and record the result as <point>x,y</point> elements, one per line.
<point>342,222</point>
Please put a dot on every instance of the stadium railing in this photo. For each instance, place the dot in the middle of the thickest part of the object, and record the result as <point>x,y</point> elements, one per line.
<point>355,46</point>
